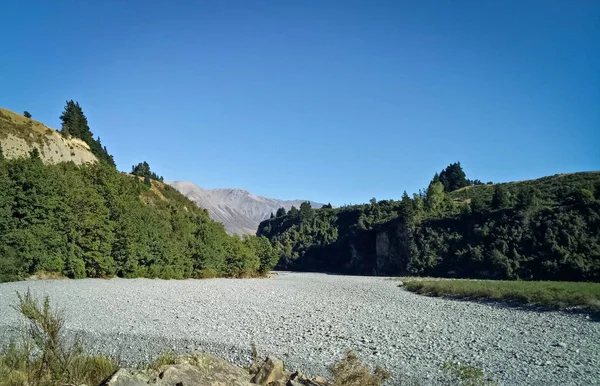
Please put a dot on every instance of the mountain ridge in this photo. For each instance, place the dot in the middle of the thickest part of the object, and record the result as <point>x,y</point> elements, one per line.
<point>239,210</point>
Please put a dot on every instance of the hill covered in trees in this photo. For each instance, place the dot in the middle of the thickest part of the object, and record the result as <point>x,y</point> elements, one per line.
<point>90,220</point>
<point>545,229</point>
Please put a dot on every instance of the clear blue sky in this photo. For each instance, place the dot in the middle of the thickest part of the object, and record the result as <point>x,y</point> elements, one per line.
<point>335,101</point>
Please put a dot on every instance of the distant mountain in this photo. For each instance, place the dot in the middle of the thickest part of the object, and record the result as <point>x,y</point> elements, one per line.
<point>238,209</point>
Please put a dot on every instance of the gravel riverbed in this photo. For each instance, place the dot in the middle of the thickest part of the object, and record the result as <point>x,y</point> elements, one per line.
<point>309,320</point>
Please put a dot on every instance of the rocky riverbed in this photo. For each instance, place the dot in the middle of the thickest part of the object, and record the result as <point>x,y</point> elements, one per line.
<point>309,320</point>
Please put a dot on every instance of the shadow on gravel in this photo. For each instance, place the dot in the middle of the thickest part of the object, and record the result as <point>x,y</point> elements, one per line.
<point>591,315</point>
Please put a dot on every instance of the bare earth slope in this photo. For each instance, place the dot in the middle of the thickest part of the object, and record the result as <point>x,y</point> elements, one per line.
<point>19,135</point>
<point>239,210</point>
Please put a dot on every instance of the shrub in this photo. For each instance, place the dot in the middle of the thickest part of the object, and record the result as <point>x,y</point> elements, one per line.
<point>43,357</point>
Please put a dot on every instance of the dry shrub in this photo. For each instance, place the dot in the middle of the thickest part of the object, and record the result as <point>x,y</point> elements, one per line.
<point>351,372</point>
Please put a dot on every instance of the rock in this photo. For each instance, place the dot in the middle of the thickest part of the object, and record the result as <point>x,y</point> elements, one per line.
<point>188,370</point>
<point>271,370</point>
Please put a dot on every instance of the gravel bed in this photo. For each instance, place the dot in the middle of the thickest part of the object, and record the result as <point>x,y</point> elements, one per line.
<point>309,320</point>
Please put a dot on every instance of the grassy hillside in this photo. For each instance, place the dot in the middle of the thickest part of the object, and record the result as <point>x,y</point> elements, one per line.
<point>546,229</point>
<point>92,221</point>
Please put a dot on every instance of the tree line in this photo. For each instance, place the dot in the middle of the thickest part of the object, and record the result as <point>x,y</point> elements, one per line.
<point>540,229</point>
<point>93,221</point>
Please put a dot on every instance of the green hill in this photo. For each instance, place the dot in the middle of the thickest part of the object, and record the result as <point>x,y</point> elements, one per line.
<point>90,220</point>
<point>548,228</point>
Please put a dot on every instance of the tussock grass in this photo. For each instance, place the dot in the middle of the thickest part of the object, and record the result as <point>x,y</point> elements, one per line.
<point>541,293</point>
<point>349,371</point>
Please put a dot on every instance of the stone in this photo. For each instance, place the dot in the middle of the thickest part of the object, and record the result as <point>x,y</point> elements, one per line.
<point>271,370</point>
<point>188,370</point>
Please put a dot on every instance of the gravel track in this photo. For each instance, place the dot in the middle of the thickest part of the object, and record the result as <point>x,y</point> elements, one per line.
<point>310,320</point>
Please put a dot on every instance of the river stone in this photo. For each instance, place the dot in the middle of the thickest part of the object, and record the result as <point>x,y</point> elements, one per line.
<point>189,370</point>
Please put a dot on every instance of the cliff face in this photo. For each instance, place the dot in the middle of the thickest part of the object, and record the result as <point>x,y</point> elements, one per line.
<point>20,135</point>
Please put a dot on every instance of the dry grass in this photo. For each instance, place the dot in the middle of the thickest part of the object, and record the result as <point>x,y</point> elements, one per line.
<point>351,372</point>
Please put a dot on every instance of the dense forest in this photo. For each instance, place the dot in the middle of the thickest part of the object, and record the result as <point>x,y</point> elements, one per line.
<point>539,229</point>
<point>93,221</point>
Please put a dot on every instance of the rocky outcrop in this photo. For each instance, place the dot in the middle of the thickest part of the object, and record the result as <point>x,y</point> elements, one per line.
<point>20,135</point>
<point>202,369</point>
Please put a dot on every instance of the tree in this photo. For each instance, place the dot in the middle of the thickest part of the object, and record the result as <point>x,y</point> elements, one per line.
<point>306,211</point>
<point>327,206</point>
<point>373,201</point>
<point>293,211</point>
<point>75,124</point>
<point>1,153</point>
<point>453,177</point>
<point>143,170</point>
<point>272,216</point>
<point>280,212</point>
<point>26,114</point>
<point>434,197</point>
<point>500,197</point>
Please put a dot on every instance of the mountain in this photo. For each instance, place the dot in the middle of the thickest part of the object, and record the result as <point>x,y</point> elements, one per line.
<point>20,135</point>
<point>237,209</point>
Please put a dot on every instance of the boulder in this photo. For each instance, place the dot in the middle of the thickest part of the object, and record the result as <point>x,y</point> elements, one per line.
<point>189,370</point>
<point>270,371</point>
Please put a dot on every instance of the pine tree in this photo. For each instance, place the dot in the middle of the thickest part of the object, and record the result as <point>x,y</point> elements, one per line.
<point>280,212</point>
<point>293,211</point>
<point>272,216</point>
<point>75,124</point>
<point>500,198</point>
<point>453,177</point>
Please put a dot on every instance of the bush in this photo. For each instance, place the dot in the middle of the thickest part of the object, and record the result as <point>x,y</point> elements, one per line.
<point>43,357</point>
<point>26,114</point>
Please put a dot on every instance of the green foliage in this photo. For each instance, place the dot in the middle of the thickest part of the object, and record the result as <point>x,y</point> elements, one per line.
<point>75,124</point>
<point>544,293</point>
<point>92,221</point>
<point>143,170</point>
<point>43,357</point>
<point>500,199</point>
<point>27,114</point>
<point>453,177</point>
<point>280,212</point>
<point>466,375</point>
<point>545,229</point>
<point>1,153</point>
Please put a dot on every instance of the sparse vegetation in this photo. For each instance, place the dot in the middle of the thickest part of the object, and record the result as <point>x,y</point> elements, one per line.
<point>43,357</point>
<point>466,375</point>
<point>543,293</point>
<point>349,371</point>
<point>27,114</point>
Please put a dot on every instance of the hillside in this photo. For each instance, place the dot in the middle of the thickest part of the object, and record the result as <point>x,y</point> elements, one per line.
<point>20,135</point>
<point>90,220</point>
<point>238,210</point>
<point>548,228</point>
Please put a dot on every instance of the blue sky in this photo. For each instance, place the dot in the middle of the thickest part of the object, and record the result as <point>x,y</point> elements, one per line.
<point>335,101</point>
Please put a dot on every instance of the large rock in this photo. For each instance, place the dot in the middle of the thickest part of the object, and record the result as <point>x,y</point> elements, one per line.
<point>271,371</point>
<point>189,370</point>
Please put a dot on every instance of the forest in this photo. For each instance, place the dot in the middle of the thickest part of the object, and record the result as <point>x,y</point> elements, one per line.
<point>94,221</point>
<point>544,229</point>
